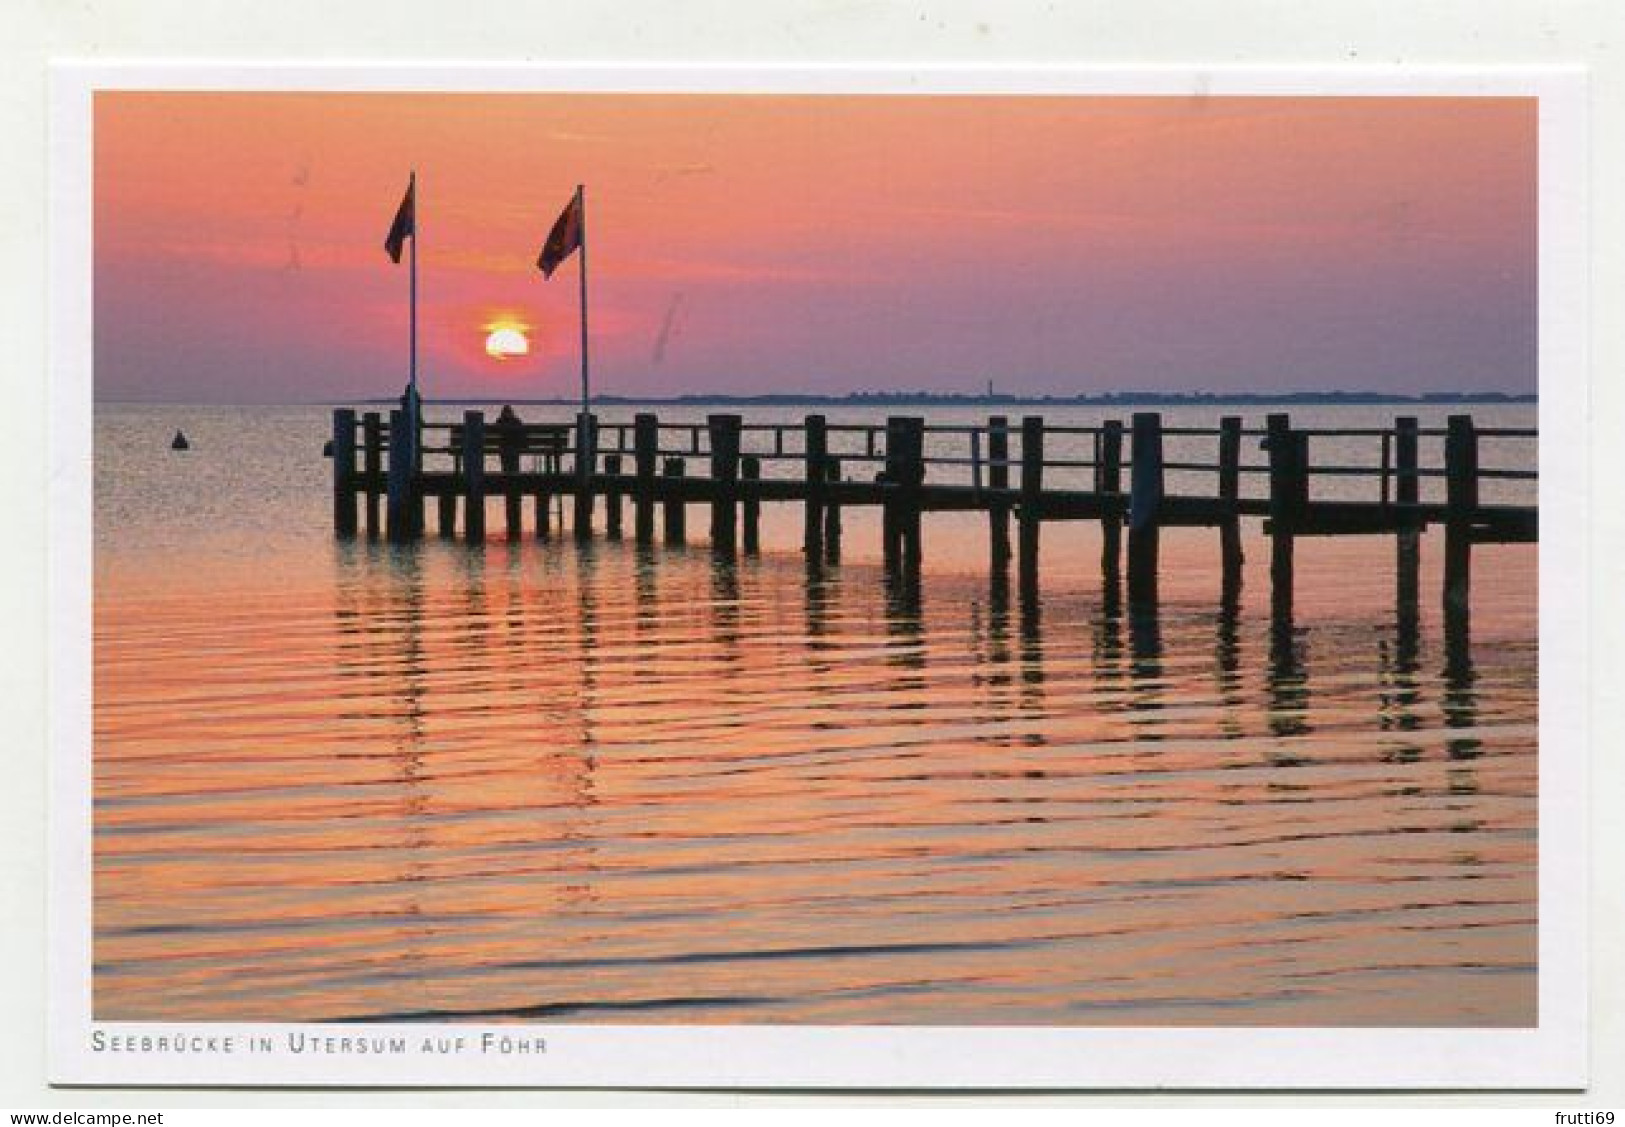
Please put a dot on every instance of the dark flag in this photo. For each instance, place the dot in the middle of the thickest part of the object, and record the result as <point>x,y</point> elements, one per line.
<point>406,222</point>
<point>563,240</point>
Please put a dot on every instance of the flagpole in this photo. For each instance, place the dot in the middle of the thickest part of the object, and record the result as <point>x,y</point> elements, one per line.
<point>413,271</point>
<point>586,383</point>
<point>415,423</point>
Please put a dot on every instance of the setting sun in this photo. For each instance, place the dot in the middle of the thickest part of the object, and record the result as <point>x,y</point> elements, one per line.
<point>507,341</point>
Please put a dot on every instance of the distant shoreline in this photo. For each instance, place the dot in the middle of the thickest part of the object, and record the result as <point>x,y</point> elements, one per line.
<point>936,399</point>
<point>925,399</point>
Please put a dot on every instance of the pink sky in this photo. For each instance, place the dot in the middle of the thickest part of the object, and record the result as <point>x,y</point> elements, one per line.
<point>750,244</point>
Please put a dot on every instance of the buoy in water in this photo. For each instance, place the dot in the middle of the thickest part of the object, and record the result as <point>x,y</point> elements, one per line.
<point>179,442</point>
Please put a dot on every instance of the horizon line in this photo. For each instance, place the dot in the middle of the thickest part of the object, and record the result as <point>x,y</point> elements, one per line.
<point>903,398</point>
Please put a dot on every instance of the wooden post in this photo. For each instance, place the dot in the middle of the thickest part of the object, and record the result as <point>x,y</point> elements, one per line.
<point>724,435</point>
<point>344,471</point>
<point>892,503</point>
<point>414,474</point>
<point>1032,491</point>
<point>399,475</point>
<point>510,439</point>
<point>612,496</point>
<point>1230,493</point>
<point>1301,468</point>
<point>543,506</point>
<point>891,546</point>
<point>675,511</point>
<point>750,469</point>
<point>1461,508</point>
<point>646,449</point>
<point>998,480</point>
<point>1284,508</point>
<point>832,513</point>
<point>446,512</point>
<point>815,449</point>
<point>912,467</point>
<point>1145,503</point>
<point>373,464</point>
<point>1407,494</point>
<point>474,475</point>
<point>1109,485</point>
<point>586,461</point>
<point>446,507</point>
<point>1387,466</point>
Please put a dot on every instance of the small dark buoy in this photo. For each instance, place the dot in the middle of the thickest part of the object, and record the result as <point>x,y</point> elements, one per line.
<point>179,442</point>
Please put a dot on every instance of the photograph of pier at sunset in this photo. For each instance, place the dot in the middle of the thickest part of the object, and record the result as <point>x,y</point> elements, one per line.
<point>816,559</point>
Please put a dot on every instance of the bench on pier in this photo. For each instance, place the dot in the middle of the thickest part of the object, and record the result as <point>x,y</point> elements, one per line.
<point>547,441</point>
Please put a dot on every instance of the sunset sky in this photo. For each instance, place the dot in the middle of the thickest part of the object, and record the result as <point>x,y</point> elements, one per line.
<point>749,244</point>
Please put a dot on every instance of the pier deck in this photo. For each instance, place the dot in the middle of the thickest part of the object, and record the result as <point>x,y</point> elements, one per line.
<point>907,468</point>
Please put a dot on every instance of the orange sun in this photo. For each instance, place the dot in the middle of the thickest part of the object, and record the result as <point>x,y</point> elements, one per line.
<point>507,341</point>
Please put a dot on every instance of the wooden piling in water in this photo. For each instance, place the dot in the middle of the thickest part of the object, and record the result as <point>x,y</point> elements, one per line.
<point>904,474</point>
<point>586,461</point>
<point>446,514</point>
<point>612,496</point>
<point>646,450</point>
<point>814,453</point>
<point>724,431</point>
<point>509,440</point>
<point>542,506</point>
<point>750,506</point>
<point>1407,493</point>
<point>675,512</point>
<point>1230,493</point>
<point>1145,505</point>
<point>912,468</point>
<point>1030,517</point>
<point>832,513</point>
<point>474,475</point>
<point>1289,497</point>
<point>998,480</point>
<point>1461,508</point>
<point>1109,487</point>
<point>891,528</point>
<point>412,501</point>
<point>344,471</point>
<point>373,465</point>
<point>399,476</point>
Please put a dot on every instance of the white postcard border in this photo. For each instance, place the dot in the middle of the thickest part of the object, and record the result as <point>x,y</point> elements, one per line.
<point>1550,1056</point>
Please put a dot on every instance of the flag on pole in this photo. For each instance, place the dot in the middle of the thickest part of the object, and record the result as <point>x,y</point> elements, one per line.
<point>569,234</point>
<point>406,222</point>
<point>563,240</point>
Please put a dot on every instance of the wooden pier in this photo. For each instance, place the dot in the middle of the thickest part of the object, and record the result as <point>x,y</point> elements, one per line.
<point>1035,473</point>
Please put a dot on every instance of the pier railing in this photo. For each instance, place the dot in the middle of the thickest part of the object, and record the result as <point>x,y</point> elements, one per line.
<point>1136,477</point>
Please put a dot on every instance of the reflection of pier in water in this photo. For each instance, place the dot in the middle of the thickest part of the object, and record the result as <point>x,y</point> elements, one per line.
<point>1128,649</point>
<point>409,657</point>
<point>838,704</point>
<point>384,628</point>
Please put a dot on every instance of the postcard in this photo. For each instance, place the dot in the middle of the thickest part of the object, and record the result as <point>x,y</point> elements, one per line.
<point>747,577</point>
